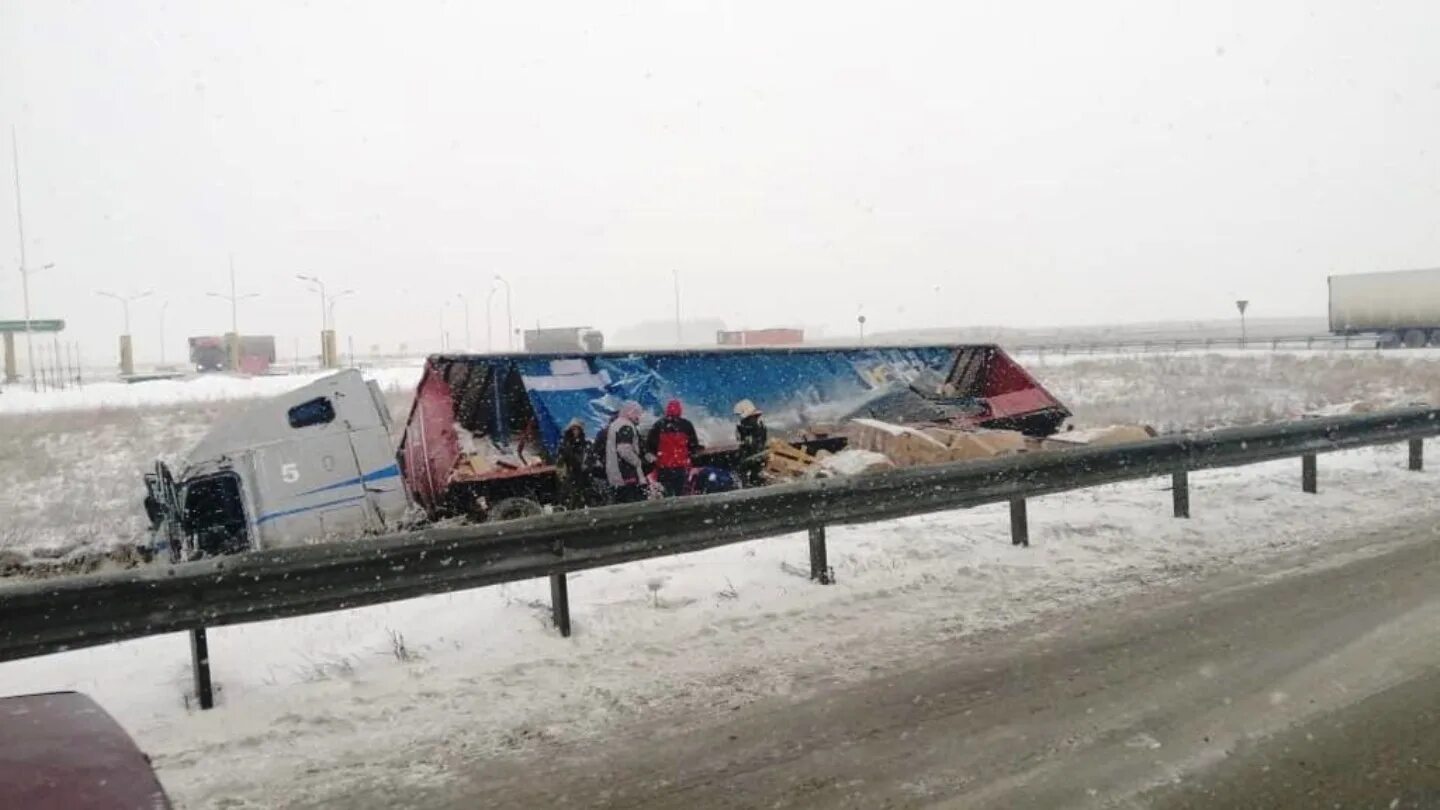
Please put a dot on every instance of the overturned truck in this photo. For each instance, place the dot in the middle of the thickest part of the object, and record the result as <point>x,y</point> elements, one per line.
<point>483,431</point>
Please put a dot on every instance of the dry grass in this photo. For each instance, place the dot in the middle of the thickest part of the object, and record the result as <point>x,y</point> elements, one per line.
<point>71,482</point>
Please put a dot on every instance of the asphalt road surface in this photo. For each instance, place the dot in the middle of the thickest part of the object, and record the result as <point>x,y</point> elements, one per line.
<point>1310,682</point>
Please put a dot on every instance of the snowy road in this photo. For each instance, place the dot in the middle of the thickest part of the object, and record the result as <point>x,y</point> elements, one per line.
<point>1093,709</point>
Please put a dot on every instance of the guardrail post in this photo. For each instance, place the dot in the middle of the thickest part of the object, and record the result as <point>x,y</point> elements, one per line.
<point>200,664</point>
<point>1417,454</point>
<point>819,561</point>
<point>1308,477</point>
<point>560,603</point>
<point>1019,523</point>
<point>1180,489</point>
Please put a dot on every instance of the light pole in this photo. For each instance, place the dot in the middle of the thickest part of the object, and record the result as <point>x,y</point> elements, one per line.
<point>232,350</point>
<point>125,303</point>
<point>326,355</point>
<point>318,286</point>
<point>465,302</point>
<point>1242,305</point>
<point>331,304</point>
<point>509,314</point>
<point>861,321</point>
<point>127,352</point>
<point>24,270</point>
<point>234,300</point>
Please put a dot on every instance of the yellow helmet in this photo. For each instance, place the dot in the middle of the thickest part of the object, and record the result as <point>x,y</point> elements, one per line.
<point>745,408</point>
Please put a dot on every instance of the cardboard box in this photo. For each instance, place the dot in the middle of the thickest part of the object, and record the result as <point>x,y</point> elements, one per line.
<point>965,445</point>
<point>902,445</point>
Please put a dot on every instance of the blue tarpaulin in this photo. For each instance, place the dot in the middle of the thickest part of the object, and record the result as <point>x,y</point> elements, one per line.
<point>709,384</point>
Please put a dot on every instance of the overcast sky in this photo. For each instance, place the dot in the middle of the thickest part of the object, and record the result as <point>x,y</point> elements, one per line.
<point>949,163</point>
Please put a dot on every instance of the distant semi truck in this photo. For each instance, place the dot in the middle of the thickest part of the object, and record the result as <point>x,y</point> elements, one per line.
<point>1402,306</point>
<point>564,339</point>
<point>210,353</point>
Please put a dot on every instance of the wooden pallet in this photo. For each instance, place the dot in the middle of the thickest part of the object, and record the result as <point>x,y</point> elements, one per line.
<point>786,460</point>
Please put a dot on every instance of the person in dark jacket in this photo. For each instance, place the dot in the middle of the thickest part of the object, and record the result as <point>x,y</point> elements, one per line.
<point>754,442</point>
<point>672,443</point>
<point>618,447</point>
<point>571,467</point>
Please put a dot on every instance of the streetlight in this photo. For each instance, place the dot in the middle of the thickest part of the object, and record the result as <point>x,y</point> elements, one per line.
<point>125,303</point>
<point>332,299</point>
<point>509,315</point>
<point>234,300</point>
<point>24,271</point>
<point>319,286</point>
<point>861,320</point>
<point>127,352</point>
<point>465,302</point>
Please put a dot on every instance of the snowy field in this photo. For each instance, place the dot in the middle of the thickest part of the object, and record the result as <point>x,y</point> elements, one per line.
<point>409,692</point>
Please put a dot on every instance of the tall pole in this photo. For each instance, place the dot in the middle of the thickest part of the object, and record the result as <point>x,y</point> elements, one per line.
<point>333,299</point>
<point>324,325</point>
<point>24,272</point>
<point>675,274</point>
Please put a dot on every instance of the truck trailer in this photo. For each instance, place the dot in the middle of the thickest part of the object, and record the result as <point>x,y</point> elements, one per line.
<point>483,432</point>
<point>212,353</point>
<point>1401,306</point>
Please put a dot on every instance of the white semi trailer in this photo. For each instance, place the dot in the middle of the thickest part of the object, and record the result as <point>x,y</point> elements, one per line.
<point>1402,306</point>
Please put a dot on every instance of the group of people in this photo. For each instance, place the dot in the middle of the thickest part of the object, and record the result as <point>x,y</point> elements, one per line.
<point>619,464</point>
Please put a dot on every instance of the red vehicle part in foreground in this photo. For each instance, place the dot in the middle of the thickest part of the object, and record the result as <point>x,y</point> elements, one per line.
<point>61,750</point>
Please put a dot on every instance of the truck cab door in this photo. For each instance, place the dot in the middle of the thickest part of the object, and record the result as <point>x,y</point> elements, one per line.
<point>308,490</point>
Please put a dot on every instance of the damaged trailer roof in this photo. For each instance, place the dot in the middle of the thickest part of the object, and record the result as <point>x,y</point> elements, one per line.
<point>793,385</point>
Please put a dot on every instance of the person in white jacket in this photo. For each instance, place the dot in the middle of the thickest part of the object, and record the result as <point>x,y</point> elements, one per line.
<point>620,444</point>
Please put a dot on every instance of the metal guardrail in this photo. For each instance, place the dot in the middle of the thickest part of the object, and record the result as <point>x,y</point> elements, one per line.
<point>37,618</point>
<point>1370,342</point>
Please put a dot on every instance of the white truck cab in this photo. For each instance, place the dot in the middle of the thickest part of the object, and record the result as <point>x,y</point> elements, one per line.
<point>313,464</point>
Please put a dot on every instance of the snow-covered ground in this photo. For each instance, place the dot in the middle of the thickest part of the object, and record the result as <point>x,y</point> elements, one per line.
<point>414,690</point>
<point>411,691</point>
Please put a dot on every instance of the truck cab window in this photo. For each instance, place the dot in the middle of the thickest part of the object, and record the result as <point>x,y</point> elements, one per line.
<point>215,516</point>
<point>317,411</point>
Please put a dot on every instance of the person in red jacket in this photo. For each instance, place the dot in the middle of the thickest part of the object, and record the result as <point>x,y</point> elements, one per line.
<point>672,442</point>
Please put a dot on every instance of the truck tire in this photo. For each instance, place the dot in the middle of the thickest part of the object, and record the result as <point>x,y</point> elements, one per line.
<point>1414,338</point>
<point>512,508</point>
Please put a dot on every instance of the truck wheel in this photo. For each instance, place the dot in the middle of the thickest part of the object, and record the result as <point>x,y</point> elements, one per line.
<point>512,508</point>
<point>1414,338</point>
